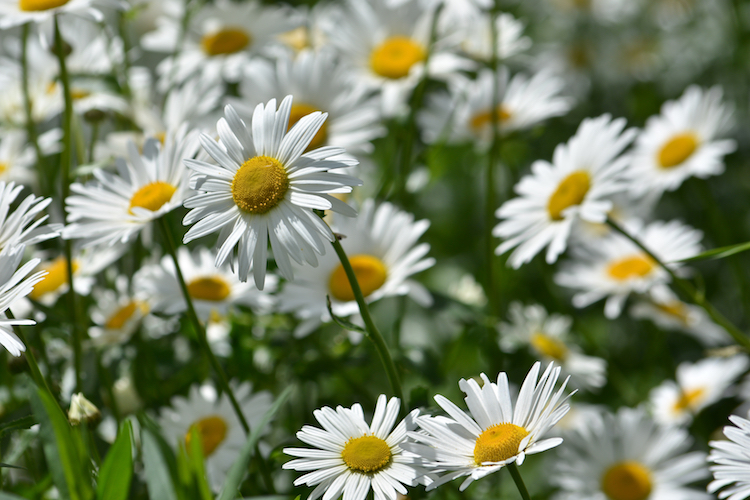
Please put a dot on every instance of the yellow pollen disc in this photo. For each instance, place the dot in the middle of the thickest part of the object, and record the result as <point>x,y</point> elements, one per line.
<point>152,196</point>
<point>689,399</point>
<point>635,266</point>
<point>484,118</point>
<point>678,149</point>
<point>300,110</point>
<point>395,56</point>
<point>225,41</point>
<point>675,309</point>
<point>627,481</point>
<point>4,167</point>
<point>549,346</point>
<point>569,192</point>
<point>212,288</point>
<point>57,276</point>
<point>212,431</point>
<point>371,274</point>
<point>37,5</point>
<point>77,94</point>
<point>161,136</point>
<point>366,454</point>
<point>259,185</point>
<point>498,443</point>
<point>123,314</point>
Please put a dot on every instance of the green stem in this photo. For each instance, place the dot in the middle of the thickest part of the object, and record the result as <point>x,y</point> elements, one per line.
<point>689,290</point>
<point>516,475</point>
<point>36,373</point>
<point>30,125</point>
<point>372,330</point>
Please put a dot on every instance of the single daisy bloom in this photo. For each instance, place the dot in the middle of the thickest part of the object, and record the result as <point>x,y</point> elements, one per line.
<point>116,314</point>
<point>15,283</point>
<point>352,457</point>
<point>265,188</point>
<point>548,336</point>
<point>22,225</point>
<point>697,386</point>
<point>685,140</point>
<point>382,248</point>
<point>476,36</point>
<point>18,12</point>
<point>730,461</point>
<point>495,434</point>
<point>628,456</point>
<point>617,267</point>
<point>584,173</point>
<point>17,155</point>
<point>115,207</point>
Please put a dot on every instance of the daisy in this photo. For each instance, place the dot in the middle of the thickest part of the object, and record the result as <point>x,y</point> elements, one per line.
<point>115,207</point>
<point>17,155</point>
<point>476,36</point>
<point>22,225</point>
<point>697,386</point>
<point>117,314</point>
<point>583,174</point>
<point>731,460</point>
<point>617,267</point>
<point>265,188</point>
<point>495,434</point>
<point>683,141</point>
<point>219,430</point>
<point>15,283</point>
<point>382,248</point>
<point>627,456</point>
<point>548,336</point>
<point>352,457</point>
<point>18,12</point>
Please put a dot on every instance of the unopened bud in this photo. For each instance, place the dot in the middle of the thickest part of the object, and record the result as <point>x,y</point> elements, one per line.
<point>83,410</point>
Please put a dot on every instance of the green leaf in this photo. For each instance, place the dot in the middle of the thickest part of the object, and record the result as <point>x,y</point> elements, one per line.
<point>158,478</point>
<point>9,496</point>
<point>195,454</point>
<point>719,253</point>
<point>20,423</point>
<point>10,466</point>
<point>343,323</point>
<point>239,467</point>
<point>116,472</point>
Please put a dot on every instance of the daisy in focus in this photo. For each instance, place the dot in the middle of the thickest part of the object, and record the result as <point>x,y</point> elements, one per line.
<point>23,224</point>
<point>495,434</point>
<point>731,460</point>
<point>584,173</point>
<point>352,457</point>
<point>265,188</point>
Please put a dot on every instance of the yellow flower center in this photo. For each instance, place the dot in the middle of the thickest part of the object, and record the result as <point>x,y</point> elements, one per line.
<point>296,114</point>
<point>57,276</point>
<point>689,399</point>
<point>366,454</point>
<point>152,196</point>
<point>549,346</point>
<point>627,481</point>
<point>370,271</point>
<point>123,314</point>
<point>4,167</point>
<point>77,94</point>
<point>569,192</point>
<point>498,443</point>
<point>395,56</point>
<point>259,185</point>
<point>211,288</point>
<point>484,118</point>
<point>212,431</point>
<point>37,5</point>
<point>225,41</point>
<point>675,309</point>
<point>678,149</point>
<point>635,266</point>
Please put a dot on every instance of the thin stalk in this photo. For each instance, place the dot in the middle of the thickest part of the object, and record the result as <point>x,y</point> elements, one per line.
<point>109,387</point>
<point>689,290</point>
<point>94,138</point>
<point>516,475</point>
<point>30,125</point>
<point>372,331</point>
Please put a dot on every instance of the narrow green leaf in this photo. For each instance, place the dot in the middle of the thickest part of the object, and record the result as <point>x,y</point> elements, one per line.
<point>158,478</point>
<point>343,323</point>
<point>116,472</point>
<point>20,423</point>
<point>195,453</point>
<point>719,253</point>
<point>239,467</point>
<point>10,466</point>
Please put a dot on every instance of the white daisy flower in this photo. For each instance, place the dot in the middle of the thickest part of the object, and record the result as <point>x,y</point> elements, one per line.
<point>382,248</point>
<point>683,141</point>
<point>15,283</point>
<point>115,207</point>
<point>353,457</point>
<point>116,314</point>
<point>220,432</point>
<point>627,456</point>
<point>731,460</point>
<point>616,267</point>
<point>495,434</point>
<point>18,12</point>
<point>17,155</point>
<point>45,95</point>
<point>548,336</point>
<point>584,173</point>
<point>697,386</point>
<point>265,189</point>
<point>476,36</point>
<point>22,225</point>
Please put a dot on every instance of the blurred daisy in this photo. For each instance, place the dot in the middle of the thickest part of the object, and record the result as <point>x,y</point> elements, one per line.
<point>731,460</point>
<point>17,155</point>
<point>683,141</point>
<point>18,12</point>
<point>45,95</point>
<point>497,434</point>
<point>15,283</point>
<point>23,224</point>
<point>218,428</point>
<point>382,248</point>
<point>352,457</point>
<point>617,267</point>
<point>627,456</point>
<point>583,174</point>
<point>548,336</point>
<point>476,36</point>
<point>116,314</point>
<point>265,188</point>
<point>697,386</point>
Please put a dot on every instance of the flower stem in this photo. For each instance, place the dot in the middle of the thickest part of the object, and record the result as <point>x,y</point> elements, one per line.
<point>36,373</point>
<point>513,469</point>
<point>372,330</point>
<point>30,125</point>
<point>689,290</point>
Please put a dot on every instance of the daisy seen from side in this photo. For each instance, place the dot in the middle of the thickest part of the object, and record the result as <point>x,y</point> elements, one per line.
<point>22,225</point>
<point>730,460</point>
